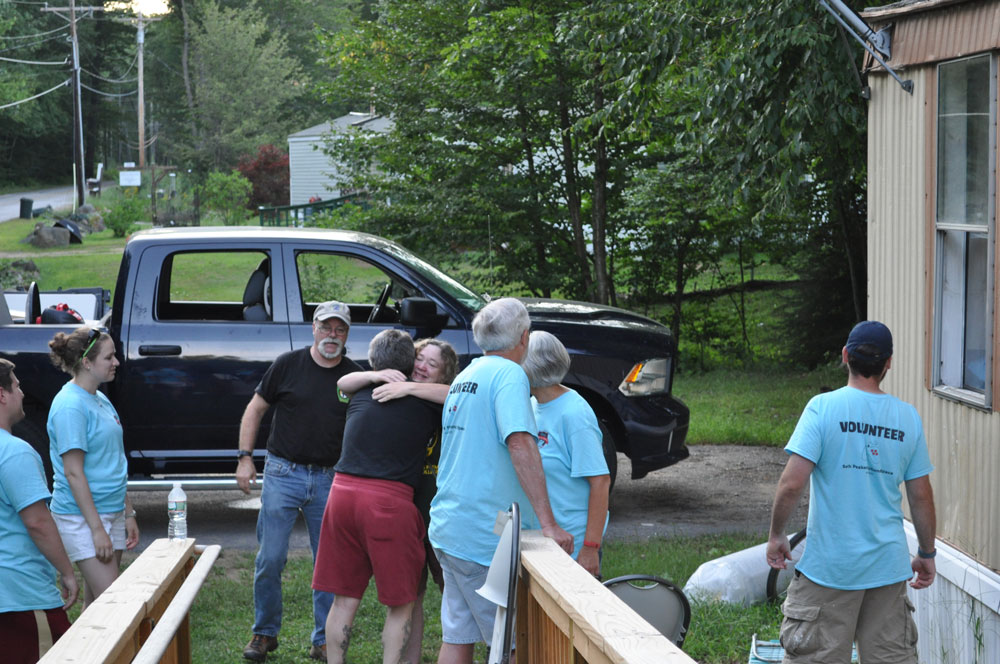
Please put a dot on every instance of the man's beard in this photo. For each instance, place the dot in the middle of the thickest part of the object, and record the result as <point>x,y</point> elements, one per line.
<point>324,348</point>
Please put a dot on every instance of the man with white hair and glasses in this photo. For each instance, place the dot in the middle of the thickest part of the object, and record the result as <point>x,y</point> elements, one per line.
<point>489,459</point>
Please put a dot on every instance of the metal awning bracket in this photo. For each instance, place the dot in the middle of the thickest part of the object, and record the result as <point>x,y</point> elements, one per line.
<point>879,43</point>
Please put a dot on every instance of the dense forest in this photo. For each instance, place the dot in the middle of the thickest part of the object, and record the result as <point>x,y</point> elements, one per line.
<point>606,150</point>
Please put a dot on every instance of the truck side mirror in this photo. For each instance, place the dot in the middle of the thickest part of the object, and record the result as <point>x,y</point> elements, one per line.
<point>419,312</point>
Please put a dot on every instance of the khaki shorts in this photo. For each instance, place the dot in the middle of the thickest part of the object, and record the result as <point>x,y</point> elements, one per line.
<point>821,624</point>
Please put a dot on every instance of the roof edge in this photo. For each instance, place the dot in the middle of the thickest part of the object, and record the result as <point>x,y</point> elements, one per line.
<point>907,8</point>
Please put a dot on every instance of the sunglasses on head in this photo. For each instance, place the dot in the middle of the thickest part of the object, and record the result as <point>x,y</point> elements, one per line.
<point>91,340</point>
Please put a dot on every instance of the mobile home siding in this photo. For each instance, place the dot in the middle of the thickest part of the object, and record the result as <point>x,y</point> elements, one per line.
<point>959,616</point>
<point>964,442</point>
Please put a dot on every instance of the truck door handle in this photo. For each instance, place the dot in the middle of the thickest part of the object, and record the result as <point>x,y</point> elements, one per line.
<point>159,350</point>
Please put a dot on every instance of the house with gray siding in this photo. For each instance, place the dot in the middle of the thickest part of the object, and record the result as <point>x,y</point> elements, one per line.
<point>314,172</point>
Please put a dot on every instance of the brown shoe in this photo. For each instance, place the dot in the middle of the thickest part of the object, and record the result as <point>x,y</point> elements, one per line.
<point>259,646</point>
<point>318,652</point>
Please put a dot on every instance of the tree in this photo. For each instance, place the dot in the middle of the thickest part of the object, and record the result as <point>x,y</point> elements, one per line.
<point>241,81</point>
<point>268,173</point>
<point>227,194</point>
<point>491,102</point>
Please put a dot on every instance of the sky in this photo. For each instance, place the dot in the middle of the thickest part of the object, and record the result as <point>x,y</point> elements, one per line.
<point>148,7</point>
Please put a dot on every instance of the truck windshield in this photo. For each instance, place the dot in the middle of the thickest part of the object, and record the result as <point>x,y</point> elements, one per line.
<point>456,289</point>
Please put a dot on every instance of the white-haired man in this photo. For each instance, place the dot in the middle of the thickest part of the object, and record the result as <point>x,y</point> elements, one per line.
<point>489,459</point>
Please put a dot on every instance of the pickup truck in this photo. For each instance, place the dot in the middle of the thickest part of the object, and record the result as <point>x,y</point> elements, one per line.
<point>199,314</point>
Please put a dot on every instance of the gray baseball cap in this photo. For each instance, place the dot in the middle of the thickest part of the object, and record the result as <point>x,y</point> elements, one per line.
<point>332,309</point>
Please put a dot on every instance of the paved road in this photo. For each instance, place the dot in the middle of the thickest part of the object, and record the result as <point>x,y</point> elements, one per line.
<point>10,204</point>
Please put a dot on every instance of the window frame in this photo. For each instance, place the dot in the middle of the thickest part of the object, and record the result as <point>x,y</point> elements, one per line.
<point>982,400</point>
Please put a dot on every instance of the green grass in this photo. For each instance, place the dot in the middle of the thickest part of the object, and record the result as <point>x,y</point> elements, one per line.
<point>223,613</point>
<point>751,407</point>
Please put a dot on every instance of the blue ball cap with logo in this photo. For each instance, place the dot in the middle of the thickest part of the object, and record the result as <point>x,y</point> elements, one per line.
<point>873,334</point>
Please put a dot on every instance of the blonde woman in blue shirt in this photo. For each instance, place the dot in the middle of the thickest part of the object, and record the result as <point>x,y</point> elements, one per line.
<point>89,502</point>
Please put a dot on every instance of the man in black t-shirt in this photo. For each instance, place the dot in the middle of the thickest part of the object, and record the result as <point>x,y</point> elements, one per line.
<point>307,431</point>
<point>371,525</point>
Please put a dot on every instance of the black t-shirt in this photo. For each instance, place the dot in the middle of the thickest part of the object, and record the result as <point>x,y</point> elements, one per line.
<point>388,441</point>
<point>309,410</point>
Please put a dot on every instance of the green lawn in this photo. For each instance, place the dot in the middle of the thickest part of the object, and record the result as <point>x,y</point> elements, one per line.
<point>750,407</point>
<point>223,613</point>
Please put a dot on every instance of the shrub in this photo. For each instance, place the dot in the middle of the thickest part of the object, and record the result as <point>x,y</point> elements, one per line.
<point>268,173</point>
<point>122,216</point>
<point>227,194</point>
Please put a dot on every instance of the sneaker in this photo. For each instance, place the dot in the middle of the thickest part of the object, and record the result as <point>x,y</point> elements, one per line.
<point>318,652</point>
<point>259,646</point>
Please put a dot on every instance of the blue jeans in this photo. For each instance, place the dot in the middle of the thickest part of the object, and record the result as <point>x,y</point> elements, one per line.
<point>288,488</point>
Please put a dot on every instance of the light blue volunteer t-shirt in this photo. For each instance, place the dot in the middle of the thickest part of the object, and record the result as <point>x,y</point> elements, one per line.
<point>27,580</point>
<point>487,402</point>
<point>864,446</point>
<point>569,440</point>
<point>79,420</point>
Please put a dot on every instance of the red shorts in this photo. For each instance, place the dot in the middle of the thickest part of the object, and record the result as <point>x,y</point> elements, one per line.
<point>370,527</point>
<point>27,635</point>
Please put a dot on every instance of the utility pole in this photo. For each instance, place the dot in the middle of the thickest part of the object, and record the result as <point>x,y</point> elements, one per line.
<point>80,176</point>
<point>140,41</point>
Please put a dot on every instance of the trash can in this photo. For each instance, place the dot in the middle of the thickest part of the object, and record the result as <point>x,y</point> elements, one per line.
<point>26,204</point>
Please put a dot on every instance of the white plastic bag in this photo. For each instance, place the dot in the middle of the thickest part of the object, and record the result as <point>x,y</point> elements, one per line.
<point>739,578</point>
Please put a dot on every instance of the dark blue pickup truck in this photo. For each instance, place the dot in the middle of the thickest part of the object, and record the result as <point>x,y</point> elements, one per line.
<point>190,360</point>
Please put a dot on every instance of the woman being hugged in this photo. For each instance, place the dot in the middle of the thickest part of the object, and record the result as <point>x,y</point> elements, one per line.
<point>89,503</point>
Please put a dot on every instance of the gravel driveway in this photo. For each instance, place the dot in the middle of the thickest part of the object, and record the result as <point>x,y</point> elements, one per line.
<point>720,488</point>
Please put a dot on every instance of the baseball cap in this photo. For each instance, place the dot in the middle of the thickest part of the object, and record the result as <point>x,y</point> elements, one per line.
<point>332,309</point>
<point>871,333</point>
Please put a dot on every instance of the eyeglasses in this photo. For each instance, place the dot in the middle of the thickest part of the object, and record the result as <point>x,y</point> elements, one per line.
<point>325,329</point>
<point>92,338</point>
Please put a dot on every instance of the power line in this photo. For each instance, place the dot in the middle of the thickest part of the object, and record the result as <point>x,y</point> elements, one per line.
<point>117,80</point>
<point>107,94</point>
<point>30,44</point>
<point>40,94</point>
<point>109,80</point>
<point>36,62</point>
<point>61,28</point>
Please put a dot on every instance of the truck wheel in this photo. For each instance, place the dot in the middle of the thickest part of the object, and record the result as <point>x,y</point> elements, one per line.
<point>610,452</point>
<point>35,436</point>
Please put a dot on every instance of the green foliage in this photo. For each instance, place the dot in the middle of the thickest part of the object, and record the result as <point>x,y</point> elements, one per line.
<point>227,194</point>
<point>124,214</point>
<point>238,83</point>
<point>15,274</point>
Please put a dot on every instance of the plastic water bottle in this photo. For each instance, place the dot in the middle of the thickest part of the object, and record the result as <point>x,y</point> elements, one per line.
<point>177,526</point>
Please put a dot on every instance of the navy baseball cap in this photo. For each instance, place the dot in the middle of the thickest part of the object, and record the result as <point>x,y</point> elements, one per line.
<point>873,334</point>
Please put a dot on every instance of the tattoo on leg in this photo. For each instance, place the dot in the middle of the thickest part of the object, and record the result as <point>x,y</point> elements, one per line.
<point>346,641</point>
<point>407,628</point>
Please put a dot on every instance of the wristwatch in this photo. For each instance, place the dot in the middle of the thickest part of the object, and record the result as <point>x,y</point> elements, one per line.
<point>243,453</point>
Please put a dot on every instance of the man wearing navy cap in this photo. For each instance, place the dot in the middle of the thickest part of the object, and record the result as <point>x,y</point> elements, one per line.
<point>855,446</point>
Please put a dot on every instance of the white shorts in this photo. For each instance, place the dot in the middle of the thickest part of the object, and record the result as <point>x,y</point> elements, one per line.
<point>78,541</point>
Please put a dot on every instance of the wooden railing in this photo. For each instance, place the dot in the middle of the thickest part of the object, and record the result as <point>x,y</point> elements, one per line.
<point>565,616</point>
<point>142,616</point>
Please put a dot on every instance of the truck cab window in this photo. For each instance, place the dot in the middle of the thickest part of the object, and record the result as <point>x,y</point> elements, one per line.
<point>363,286</point>
<point>215,286</point>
